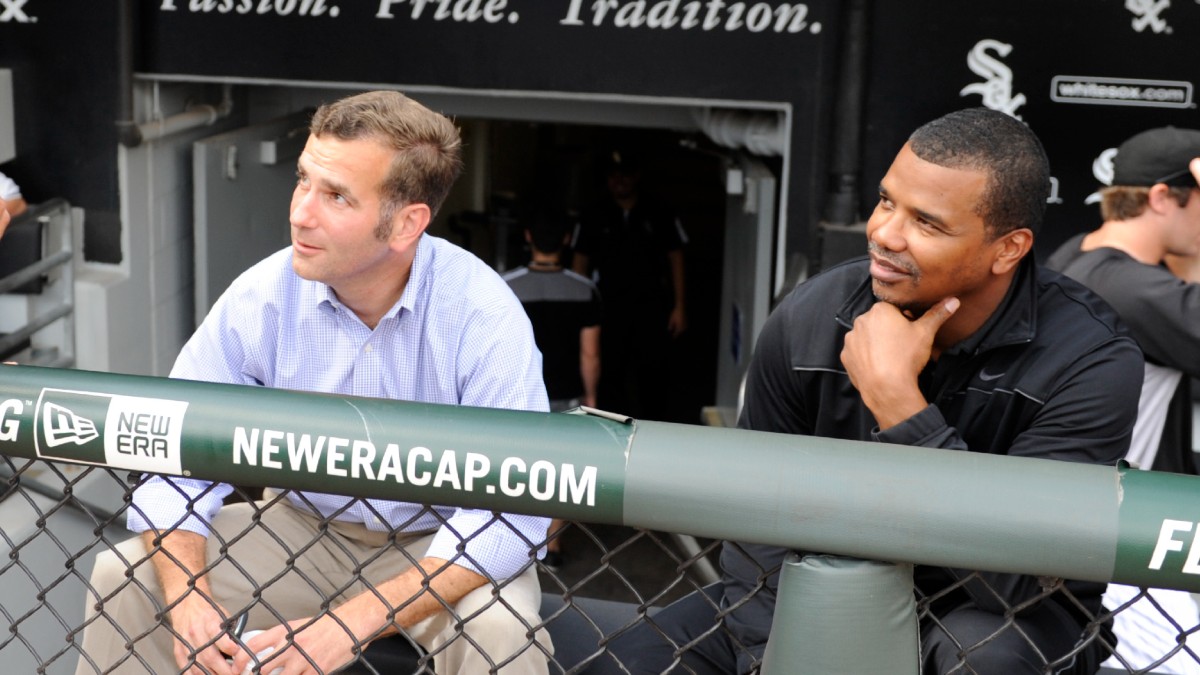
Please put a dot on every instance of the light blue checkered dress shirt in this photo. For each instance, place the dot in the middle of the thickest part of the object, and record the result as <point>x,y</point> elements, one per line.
<point>456,336</point>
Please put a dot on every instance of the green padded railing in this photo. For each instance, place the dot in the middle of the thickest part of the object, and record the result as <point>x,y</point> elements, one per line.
<point>863,500</point>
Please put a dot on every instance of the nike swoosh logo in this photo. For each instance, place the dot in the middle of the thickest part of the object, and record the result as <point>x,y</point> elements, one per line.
<point>988,377</point>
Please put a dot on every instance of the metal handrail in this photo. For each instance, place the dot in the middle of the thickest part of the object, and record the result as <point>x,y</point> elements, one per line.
<point>37,269</point>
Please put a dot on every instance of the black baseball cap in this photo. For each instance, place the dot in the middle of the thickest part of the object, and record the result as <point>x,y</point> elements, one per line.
<point>1157,156</point>
<point>623,160</point>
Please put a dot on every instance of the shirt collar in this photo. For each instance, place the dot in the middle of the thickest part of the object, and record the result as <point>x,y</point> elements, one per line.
<point>422,267</point>
<point>326,299</point>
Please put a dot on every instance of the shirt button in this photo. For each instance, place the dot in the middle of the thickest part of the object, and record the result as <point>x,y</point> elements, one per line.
<point>368,349</point>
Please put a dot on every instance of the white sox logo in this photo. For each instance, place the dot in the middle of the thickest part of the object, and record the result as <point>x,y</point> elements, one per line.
<point>1147,13</point>
<point>14,10</point>
<point>1102,169</point>
<point>997,89</point>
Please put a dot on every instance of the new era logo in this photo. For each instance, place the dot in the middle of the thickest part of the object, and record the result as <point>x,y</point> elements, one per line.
<point>125,432</point>
<point>60,426</point>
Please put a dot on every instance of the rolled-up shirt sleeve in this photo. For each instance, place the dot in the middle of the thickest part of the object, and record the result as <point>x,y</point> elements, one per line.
<point>497,546</point>
<point>164,503</point>
<point>8,188</point>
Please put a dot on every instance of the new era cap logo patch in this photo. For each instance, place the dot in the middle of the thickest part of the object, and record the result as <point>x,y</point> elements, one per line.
<point>60,426</point>
<point>126,432</point>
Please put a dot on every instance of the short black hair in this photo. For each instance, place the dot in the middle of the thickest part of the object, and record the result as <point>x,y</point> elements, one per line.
<point>1004,147</point>
<point>547,230</point>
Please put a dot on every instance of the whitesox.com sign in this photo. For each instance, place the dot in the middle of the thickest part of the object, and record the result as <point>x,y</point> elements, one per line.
<point>127,432</point>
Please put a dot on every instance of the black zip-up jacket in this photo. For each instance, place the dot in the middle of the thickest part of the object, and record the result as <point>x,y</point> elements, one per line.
<point>1052,374</point>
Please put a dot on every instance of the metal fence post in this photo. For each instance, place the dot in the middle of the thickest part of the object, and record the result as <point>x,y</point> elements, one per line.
<point>843,615</point>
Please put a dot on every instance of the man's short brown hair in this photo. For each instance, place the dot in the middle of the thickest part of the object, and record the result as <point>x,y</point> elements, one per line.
<point>1124,202</point>
<point>428,147</point>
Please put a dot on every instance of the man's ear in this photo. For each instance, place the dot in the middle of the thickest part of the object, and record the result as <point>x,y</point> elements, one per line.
<point>1157,198</point>
<point>1010,249</point>
<point>408,224</point>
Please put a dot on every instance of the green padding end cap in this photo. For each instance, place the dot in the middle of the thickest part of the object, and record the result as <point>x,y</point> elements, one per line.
<point>829,607</point>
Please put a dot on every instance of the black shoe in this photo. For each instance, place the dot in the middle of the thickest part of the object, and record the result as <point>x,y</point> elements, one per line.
<point>552,561</point>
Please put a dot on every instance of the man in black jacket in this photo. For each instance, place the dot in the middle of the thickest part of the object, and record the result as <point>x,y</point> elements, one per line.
<point>948,336</point>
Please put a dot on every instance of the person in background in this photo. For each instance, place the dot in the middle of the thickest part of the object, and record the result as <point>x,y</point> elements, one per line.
<point>1151,210</point>
<point>1187,267</point>
<point>565,311</point>
<point>4,218</point>
<point>363,303</point>
<point>10,196</point>
<point>1151,215</point>
<point>632,246</point>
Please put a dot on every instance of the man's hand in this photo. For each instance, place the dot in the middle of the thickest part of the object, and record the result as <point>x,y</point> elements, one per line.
<point>885,352</point>
<point>417,593</point>
<point>4,217</point>
<point>198,622</point>
<point>677,322</point>
<point>196,618</point>
<point>316,647</point>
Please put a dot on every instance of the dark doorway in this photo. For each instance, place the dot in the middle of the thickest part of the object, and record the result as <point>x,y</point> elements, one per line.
<point>562,166</point>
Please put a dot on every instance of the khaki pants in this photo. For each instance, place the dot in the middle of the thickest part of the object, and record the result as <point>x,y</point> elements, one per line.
<point>128,638</point>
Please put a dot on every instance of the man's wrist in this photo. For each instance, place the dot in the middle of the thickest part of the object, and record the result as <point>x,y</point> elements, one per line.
<point>366,618</point>
<point>897,409</point>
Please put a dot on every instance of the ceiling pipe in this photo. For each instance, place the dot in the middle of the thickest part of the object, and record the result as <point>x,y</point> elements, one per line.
<point>197,115</point>
<point>760,133</point>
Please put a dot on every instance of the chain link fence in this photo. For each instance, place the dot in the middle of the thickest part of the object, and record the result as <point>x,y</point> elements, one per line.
<point>55,519</point>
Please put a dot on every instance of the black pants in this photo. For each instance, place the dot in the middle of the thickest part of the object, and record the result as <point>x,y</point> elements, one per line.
<point>1050,627</point>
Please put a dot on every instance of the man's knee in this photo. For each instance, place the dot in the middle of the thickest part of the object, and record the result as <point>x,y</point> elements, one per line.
<point>988,659</point>
<point>111,568</point>
<point>496,634</point>
<point>513,622</point>
<point>653,645</point>
<point>987,643</point>
<point>501,620</point>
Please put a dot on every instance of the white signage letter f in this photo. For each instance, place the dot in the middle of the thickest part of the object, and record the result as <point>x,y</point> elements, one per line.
<point>1167,542</point>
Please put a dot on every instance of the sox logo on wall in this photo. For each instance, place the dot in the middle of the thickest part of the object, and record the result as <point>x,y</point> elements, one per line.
<point>14,11</point>
<point>1148,14</point>
<point>1102,169</point>
<point>997,87</point>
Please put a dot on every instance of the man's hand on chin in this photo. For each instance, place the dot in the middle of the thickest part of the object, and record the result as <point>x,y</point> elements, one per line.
<point>886,351</point>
